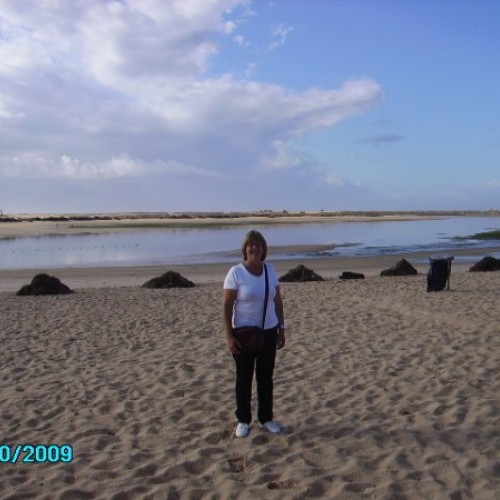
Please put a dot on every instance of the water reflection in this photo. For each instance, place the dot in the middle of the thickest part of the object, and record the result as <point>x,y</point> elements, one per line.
<point>198,245</point>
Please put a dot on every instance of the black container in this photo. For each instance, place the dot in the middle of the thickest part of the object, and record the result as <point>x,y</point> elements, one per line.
<point>439,274</point>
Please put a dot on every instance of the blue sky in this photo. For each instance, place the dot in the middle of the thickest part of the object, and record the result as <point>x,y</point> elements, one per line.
<point>166,105</point>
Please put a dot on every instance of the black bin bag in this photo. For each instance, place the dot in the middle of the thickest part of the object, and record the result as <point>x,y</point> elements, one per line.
<point>439,273</point>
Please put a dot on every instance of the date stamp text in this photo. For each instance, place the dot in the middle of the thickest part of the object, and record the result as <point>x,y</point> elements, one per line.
<point>36,453</point>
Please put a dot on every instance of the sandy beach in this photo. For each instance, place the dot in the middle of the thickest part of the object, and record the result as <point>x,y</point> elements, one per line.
<point>385,391</point>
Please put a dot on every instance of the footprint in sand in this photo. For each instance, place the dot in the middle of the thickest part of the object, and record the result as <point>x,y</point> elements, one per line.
<point>237,464</point>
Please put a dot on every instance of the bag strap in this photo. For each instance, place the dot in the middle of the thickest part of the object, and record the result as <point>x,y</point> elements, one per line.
<point>266,297</point>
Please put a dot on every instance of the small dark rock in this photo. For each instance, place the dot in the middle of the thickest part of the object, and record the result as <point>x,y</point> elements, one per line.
<point>348,275</point>
<point>170,279</point>
<point>300,274</point>
<point>43,284</point>
<point>401,268</point>
<point>486,264</point>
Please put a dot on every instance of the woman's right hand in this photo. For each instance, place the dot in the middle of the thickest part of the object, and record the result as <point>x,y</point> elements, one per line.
<point>229,298</point>
<point>232,344</point>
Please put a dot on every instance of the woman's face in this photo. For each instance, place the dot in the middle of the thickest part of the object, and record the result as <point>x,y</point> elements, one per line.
<point>254,251</point>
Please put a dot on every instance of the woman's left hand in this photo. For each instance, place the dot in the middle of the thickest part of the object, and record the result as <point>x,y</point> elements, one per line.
<point>281,339</point>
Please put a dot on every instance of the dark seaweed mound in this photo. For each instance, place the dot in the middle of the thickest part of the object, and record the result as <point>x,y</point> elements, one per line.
<point>43,284</point>
<point>401,268</point>
<point>170,279</point>
<point>349,275</point>
<point>486,264</point>
<point>300,274</point>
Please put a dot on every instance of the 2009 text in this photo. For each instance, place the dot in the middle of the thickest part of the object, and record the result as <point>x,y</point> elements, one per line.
<point>36,453</point>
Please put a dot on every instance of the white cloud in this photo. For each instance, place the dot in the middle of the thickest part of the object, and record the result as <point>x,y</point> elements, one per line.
<point>279,34</point>
<point>307,171</point>
<point>241,41</point>
<point>334,179</point>
<point>37,165</point>
<point>110,89</point>
<point>284,156</point>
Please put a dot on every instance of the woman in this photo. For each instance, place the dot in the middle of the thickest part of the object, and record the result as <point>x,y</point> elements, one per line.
<point>243,305</point>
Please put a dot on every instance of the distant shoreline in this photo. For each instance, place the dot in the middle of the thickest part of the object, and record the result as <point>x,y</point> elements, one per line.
<point>25,225</point>
<point>268,214</point>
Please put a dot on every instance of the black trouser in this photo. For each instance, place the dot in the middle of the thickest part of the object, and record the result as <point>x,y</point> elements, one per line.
<point>262,363</point>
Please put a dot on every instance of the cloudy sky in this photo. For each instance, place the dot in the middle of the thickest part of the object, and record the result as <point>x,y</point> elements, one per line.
<point>178,105</point>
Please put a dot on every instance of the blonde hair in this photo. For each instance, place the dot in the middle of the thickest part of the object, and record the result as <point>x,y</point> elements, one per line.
<point>254,237</point>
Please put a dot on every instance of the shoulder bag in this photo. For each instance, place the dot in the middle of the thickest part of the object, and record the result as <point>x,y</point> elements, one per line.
<point>251,338</point>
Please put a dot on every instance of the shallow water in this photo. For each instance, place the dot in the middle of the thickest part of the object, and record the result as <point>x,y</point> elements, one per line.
<point>199,245</point>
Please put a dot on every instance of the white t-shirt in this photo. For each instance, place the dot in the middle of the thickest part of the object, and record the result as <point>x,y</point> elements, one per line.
<point>249,305</point>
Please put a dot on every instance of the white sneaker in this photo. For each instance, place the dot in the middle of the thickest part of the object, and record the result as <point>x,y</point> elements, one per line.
<point>242,430</point>
<point>273,426</point>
